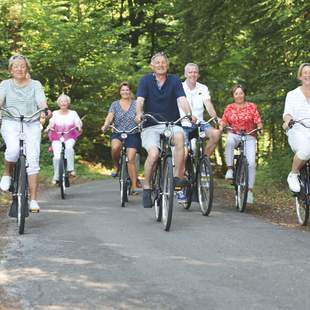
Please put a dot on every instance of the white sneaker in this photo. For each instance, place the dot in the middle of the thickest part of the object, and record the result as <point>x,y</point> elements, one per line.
<point>5,183</point>
<point>33,206</point>
<point>229,174</point>
<point>293,182</point>
<point>250,198</point>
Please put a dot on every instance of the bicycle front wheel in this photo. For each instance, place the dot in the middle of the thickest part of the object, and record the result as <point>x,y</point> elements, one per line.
<point>302,209</point>
<point>22,194</point>
<point>205,185</point>
<point>62,178</point>
<point>123,181</point>
<point>156,193</point>
<point>190,175</point>
<point>242,184</point>
<point>168,193</point>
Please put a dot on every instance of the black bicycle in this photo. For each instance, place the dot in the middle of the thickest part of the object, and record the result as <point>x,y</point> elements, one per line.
<point>302,199</point>
<point>162,181</point>
<point>63,174</point>
<point>241,170</point>
<point>124,179</point>
<point>198,171</point>
<point>19,184</point>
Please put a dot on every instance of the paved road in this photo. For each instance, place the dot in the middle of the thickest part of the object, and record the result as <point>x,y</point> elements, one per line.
<point>88,253</point>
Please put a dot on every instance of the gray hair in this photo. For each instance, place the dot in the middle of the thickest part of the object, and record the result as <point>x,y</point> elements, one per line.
<point>159,54</point>
<point>64,96</point>
<point>19,57</point>
<point>190,64</point>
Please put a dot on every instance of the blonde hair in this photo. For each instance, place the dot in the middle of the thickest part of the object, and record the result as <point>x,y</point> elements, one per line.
<point>301,67</point>
<point>19,57</point>
<point>65,97</point>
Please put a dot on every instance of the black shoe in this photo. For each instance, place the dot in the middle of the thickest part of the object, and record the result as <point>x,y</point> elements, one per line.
<point>147,200</point>
<point>179,183</point>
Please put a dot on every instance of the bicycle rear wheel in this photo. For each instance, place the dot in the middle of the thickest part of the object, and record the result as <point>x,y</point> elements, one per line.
<point>157,194</point>
<point>22,194</point>
<point>205,185</point>
<point>190,175</point>
<point>242,184</point>
<point>302,209</point>
<point>123,181</point>
<point>168,193</point>
<point>62,177</point>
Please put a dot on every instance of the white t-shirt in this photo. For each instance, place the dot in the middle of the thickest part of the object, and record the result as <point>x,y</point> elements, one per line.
<point>196,98</point>
<point>297,105</point>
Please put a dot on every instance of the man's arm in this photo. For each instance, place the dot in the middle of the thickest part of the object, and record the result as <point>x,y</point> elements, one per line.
<point>210,108</point>
<point>183,103</point>
<point>139,109</point>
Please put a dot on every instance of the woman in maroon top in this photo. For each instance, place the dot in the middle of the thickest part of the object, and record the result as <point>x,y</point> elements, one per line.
<point>241,114</point>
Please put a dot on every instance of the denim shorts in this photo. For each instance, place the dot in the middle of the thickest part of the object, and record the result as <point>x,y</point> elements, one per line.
<point>132,141</point>
<point>192,132</point>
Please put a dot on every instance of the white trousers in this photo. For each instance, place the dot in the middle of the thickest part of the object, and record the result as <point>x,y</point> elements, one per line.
<point>10,131</point>
<point>299,141</point>
<point>250,153</point>
<point>69,155</point>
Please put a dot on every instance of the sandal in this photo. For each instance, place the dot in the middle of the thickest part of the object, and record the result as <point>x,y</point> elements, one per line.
<point>134,192</point>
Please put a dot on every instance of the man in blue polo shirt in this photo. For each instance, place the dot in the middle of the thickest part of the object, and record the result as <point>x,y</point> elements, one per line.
<point>160,94</point>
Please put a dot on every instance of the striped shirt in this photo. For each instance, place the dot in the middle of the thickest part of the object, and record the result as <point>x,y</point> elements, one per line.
<point>26,99</point>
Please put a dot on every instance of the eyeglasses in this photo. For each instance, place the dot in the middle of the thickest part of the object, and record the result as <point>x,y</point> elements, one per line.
<point>14,57</point>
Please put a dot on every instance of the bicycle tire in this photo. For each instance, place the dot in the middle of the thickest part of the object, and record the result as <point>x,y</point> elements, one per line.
<point>242,183</point>
<point>62,177</point>
<point>156,193</point>
<point>123,181</point>
<point>302,209</point>
<point>22,194</point>
<point>205,185</point>
<point>168,193</point>
<point>190,175</point>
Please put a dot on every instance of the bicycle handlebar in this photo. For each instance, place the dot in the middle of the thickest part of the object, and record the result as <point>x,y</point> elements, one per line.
<point>242,132</point>
<point>125,131</point>
<point>63,132</point>
<point>22,117</point>
<point>144,116</point>
<point>291,123</point>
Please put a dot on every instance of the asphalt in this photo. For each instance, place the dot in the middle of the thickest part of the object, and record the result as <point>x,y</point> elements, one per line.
<point>89,253</point>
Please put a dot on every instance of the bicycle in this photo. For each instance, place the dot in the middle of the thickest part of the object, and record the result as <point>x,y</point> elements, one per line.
<point>162,180</point>
<point>198,171</point>
<point>63,174</point>
<point>19,184</point>
<point>302,199</point>
<point>241,171</point>
<point>124,179</point>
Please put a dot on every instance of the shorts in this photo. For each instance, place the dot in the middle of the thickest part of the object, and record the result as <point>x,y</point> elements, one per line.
<point>192,132</point>
<point>132,141</point>
<point>151,135</point>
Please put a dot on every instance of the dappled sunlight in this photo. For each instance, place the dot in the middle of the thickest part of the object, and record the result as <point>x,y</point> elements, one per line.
<point>68,261</point>
<point>195,262</point>
<point>63,211</point>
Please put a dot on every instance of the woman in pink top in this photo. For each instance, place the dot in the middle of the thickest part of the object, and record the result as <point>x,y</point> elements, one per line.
<point>64,120</point>
<point>239,115</point>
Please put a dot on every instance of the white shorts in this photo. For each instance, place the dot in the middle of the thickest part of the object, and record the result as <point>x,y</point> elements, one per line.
<point>151,135</point>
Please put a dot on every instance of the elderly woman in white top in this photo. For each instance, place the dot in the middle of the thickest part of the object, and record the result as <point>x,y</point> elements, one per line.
<point>26,96</point>
<point>297,107</point>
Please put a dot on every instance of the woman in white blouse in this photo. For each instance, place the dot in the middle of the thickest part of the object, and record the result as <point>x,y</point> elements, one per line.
<point>297,107</point>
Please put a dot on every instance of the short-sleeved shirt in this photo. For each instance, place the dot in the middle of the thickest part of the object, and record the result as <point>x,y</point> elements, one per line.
<point>26,99</point>
<point>196,98</point>
<point>64,123</point>
<point>124,120</point>
<point>161,102</point>
<point>241,118</point>
<point>297,105</point>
